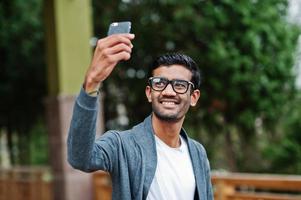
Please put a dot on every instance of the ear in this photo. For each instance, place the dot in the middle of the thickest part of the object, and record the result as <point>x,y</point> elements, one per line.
<point>194,97</point>
<point>148,93</point>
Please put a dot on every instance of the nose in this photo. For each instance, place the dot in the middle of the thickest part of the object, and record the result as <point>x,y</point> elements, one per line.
<point>169,91</point>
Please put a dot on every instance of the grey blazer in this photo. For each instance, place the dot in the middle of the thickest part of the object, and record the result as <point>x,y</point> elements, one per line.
<point>129,156</point>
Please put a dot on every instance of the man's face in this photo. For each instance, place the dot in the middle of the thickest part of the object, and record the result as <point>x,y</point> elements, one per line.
<point>167,104</point>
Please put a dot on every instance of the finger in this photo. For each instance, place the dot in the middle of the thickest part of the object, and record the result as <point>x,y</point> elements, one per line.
<point>115,58</point>
<point>130,36</point>
<point>123,55</point>
<point>118,48</point>
<point>115,39</point>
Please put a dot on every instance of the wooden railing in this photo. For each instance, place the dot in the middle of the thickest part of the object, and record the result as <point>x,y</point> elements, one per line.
<point>241,186</point>
<point>35,184</point>
<point>230,186</point>
<point>25,183</point>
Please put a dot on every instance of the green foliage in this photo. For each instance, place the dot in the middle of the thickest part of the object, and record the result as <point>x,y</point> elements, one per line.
<point>285,153</point>
<point>38,144</point>
<point>244,48</point>
<point>22,72</point>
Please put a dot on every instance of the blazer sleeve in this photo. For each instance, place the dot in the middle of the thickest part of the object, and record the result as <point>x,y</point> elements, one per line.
<point>83,152</point>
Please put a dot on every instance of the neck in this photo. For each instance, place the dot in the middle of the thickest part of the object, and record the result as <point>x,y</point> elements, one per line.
<point>168,132</point>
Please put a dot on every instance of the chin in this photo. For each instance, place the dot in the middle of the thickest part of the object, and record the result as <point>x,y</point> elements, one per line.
<point>168,118</point>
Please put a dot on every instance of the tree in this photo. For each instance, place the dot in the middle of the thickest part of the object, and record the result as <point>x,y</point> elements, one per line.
<point>244,48</point>
<point>22,72</point>
<point>285,151</point>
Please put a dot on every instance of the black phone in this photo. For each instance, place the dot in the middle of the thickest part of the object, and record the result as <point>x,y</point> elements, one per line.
<point>119,27</point>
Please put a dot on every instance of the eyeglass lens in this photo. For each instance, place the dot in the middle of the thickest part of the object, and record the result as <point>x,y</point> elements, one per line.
<point>160,83</point>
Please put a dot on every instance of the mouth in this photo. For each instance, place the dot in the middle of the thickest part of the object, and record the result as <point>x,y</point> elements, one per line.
<point>169,102</point>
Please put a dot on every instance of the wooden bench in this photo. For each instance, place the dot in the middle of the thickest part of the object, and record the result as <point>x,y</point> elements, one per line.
<point>241,186</point>
<point>230,186</point>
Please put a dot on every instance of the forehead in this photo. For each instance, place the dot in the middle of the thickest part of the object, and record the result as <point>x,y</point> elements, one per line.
<point>173,72</point>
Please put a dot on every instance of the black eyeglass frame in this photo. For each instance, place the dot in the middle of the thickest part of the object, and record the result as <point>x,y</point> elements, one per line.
<point>171,82</point>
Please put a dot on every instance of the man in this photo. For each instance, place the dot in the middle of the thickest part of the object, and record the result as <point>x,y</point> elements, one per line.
<point>154,160</point>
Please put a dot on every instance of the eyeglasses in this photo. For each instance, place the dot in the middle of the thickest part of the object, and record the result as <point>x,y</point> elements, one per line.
<point>160,83</point>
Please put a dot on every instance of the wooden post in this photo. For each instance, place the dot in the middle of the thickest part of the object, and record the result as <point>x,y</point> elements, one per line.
<point>223,190</point>
<point>68,33</point>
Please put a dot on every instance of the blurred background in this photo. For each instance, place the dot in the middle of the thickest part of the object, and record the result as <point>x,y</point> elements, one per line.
<point>249,114</point>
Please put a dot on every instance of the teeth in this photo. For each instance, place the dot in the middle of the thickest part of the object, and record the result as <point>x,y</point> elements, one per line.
<point>168,103</point>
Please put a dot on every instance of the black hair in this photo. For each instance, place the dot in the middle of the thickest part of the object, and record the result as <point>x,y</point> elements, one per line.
<point>178,59</point>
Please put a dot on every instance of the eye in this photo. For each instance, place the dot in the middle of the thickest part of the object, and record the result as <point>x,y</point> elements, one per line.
<point>159,82</point>
<point>180,85</point>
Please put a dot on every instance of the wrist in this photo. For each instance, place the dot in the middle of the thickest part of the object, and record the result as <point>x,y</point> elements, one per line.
<point>92,88</point>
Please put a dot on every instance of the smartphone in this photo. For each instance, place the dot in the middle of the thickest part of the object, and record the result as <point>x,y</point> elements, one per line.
<point>119,27</point>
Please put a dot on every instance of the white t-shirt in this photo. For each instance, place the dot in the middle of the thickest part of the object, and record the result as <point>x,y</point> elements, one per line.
<point>174,177</point>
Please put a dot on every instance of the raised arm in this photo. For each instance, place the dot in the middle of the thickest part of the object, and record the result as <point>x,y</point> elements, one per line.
<point>83,152</point>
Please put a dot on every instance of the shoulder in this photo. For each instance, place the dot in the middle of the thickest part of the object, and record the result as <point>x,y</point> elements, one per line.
<point>122,135</point>
<point>139,135</point>
<point>200,149</point>
<point>141,132</point>
<point>116,136</point>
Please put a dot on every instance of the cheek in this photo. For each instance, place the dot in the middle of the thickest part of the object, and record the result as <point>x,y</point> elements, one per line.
<point>152,97</point>
<point>189,101</point>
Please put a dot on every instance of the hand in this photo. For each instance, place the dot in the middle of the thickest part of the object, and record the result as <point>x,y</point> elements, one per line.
<point>108,52</point>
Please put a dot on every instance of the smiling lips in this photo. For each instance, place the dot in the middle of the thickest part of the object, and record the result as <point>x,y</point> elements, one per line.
<point>169,102</point>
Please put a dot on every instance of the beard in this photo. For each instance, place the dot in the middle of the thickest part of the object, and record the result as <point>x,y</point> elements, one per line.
<point>166,116</point>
